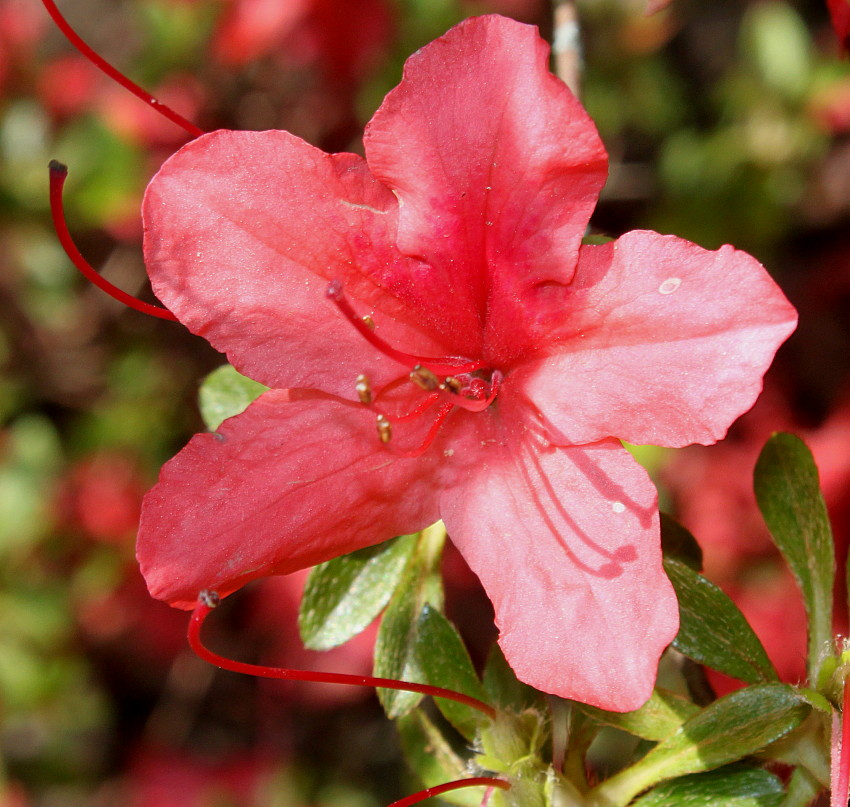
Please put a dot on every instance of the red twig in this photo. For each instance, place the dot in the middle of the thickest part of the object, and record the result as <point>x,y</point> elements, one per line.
<point>478,781</point>
<point>58,173</point>
<point>209,599</point>
<point>114,74</point>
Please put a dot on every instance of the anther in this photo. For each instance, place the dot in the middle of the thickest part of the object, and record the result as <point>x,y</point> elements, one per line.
<point>451,384</point>
<point>385,428</point>
<point>424,378</point>
<point>364,389</point>
<point>368,322</point>
<point>209,598</point>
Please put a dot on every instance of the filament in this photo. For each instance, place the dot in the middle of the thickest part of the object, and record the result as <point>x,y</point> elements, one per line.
<point>114,74</point>
<point>442,414</point>
<point>444,366</point>
<point>423,406</point>
<point>207,600</point>
<point>478,781</point>
<point>58,174</point>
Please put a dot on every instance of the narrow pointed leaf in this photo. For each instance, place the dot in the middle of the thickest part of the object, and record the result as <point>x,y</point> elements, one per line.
<point>678,542</point>
<point>344,595</point>
<point>789,497</point>
<point>504,690</point>
<point>656,720</point>
<point>713,631</point>
<point>733,786</point>
<point>225,393</point>
<point>396,653</point>
<point>443,658</point>
<point>726,731</point>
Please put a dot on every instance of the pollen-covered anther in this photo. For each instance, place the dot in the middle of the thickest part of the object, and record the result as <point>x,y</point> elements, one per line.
<point>209,598</point>
<point>451,384</point>
<point>364,389</point>
<point>385,428</point>
<point>424,378</point>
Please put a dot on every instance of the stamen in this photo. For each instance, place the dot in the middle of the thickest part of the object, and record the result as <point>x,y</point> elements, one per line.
<point>385,428</point>
<point>207,600</point>
<point>451,384</point>
<point>442,414</point>
<point>114,74</point>
<point>443,366</point>
<point>58,173</point>
<point>424,378</point>
<point>364,389</point>
<point>426,403</point>
<point>478,781</point>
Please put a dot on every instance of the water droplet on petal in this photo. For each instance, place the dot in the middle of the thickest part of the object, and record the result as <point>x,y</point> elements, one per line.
<point>670,285</point>
<point>618,507</point>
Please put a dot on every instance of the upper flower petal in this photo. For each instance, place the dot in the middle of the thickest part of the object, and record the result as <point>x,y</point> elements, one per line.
<point>284,485</point>
<point>662,342</point>
<point>243,231</point>
<point>566,544</point>
<point>497,168</point>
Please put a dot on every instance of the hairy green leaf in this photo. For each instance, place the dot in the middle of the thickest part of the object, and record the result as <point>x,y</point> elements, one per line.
<point>225,393</point>
<point>788,493</point>
<point>713,631</point>
<point>344,595</point>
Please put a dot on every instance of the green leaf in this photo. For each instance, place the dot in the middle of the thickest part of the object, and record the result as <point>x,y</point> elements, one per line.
<point>678,542</point>
<point>732,786</point>
<point>395,647</point>
<point>713,631</point>
<point>504,690</point>
<point>657,719</point>
<point>443,658</point>
<point>225,393</point>
<point>433,759</point>
<point>726,731</point>
<point>788,493</point>
<point>802,789</point>
<point>344,595</point>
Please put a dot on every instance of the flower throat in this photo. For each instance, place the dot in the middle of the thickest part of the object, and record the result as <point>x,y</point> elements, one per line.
<point>451,381</point>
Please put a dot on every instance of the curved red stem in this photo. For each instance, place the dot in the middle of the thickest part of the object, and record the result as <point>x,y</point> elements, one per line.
<point>478,781</point>
<point>114,74</point>
<point>58,173</point>
<point>209,599</point>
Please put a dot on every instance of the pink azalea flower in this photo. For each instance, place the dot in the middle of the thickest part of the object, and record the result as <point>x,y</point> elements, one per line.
<point>459,236</point>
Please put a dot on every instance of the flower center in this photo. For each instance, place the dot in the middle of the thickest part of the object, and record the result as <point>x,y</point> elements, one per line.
<point>452,381</point>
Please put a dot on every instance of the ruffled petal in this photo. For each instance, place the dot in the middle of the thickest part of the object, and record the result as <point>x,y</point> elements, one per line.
<point>285,485</point>
<point>243,231</point>
<point>497,168</point>
<point>566,544</point>
<point>662,342</point>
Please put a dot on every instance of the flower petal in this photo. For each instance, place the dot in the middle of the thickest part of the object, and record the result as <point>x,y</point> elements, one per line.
<point>497,168</point>
<point>662,342</point>
<point>285,485</point>
<point>243,231</point>
<point>566,543</point>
